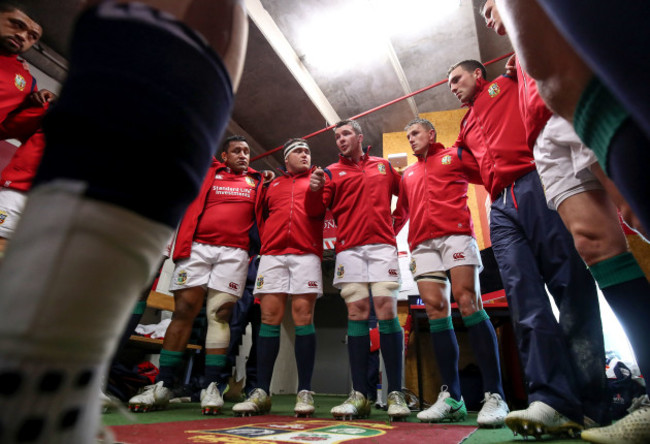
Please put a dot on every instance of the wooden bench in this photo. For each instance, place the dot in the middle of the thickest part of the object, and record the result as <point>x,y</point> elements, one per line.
<point>162,301</point>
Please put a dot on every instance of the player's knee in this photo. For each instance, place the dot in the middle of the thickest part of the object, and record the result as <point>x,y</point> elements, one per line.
<point>164,118</point>
<point>219,305</point>
<point>218,309</point>
<point>384,289</point>
<point>354,291</point>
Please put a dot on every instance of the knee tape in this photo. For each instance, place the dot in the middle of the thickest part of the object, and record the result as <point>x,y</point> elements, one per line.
<point>156,118</point>
<point>354,291</point>
<point>218,334</point>
<point>435,276</point>
<point>387,289</point>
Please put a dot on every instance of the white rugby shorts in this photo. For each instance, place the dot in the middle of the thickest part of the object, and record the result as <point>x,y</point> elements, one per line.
<point>290,274</point>
<point>12,204</point>
<point>563,162</point>
<point>217,267</point>
<point>444,253</point>
<point>367,263</point>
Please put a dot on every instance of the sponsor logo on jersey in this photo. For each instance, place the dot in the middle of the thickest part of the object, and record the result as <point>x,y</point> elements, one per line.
<point>382,168</point>
<point>233,286</point>
<point>412,266</point>
<point>250,181</point>
<point>340,272</point>
<point>342,173</point>
<point>393,272</point>
<point>260,282</point>
<point>3,217</point>
<point>459,256</point>
<point>20,82</point>
<point>446,160</point>
<point>494,90</point>
<point>312,284</point>
<point>181,278</point>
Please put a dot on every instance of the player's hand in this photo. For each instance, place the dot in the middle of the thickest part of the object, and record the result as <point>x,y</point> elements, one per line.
<point>511,66</point>
<point>268,176</point>
<point>317,179</point>
<point>40,98</point>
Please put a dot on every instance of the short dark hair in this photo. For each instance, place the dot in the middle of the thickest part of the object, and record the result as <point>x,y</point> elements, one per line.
<point>426,124</point>
<point>226,143</point>
<point>469,66</point>
<point>14,5</point>
<point>353,123</point>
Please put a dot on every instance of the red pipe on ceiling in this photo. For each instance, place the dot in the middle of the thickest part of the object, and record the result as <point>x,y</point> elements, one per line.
<point>377,108</point>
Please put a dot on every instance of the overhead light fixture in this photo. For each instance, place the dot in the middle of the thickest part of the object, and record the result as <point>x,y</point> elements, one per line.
<point>358,31</point>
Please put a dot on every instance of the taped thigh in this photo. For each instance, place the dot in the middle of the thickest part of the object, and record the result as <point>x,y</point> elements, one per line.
<point>439,277</point>
<point>385,289</point>
<point>354,291</point>
<point>218,334</point>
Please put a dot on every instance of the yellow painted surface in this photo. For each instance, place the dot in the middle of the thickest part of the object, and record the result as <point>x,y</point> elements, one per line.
<point>447,124</point>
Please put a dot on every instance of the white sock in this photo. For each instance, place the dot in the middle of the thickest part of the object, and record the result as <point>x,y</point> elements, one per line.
<point>68,282</point>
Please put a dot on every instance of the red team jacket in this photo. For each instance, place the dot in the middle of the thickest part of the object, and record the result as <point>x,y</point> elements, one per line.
<point>500,150</point>
<point>25,125</point>
<point>16,83</point>
<point>284,225</point>
<point>230,215</point>
<point>532,108</point>
<point>359,196</point>
<point>434,194</point>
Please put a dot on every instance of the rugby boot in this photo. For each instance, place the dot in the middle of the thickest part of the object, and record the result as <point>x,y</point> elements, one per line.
<point>356,406</point>
<point>397,407</point>
<point>304,404</point>
<point>153,397</point>
<point>634,428</point>
<point>445,408</point>
<point>541,419</point>
<point>494,411</point>
<point>257,403</point>
<point>212,399</point>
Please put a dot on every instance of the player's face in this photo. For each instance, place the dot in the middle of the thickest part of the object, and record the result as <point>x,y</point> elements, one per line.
<point>298,161</point>
<point>420,139</point>
<point>463,83</point>
<point>347,141</point>
<point>237,156</point>
<point>18,32</point>
<point>492,17</point>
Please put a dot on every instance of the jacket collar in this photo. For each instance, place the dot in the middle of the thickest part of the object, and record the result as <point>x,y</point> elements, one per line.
<point>433,149</point>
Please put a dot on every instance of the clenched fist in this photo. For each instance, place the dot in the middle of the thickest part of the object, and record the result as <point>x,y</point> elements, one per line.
<point>317,179</point>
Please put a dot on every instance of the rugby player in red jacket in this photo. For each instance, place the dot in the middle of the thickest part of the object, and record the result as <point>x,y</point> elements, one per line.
<point>358,190</point>
<point>441,239</point>
<point>292,249</point>
<point>16,178</point>
<point>563,361</point>
<point>18,33</point>
<point>211,265</point>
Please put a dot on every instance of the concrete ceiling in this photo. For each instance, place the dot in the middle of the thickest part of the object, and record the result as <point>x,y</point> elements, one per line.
<point>289,90</point>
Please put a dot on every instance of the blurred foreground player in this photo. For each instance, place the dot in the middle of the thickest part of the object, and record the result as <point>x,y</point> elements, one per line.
<point>88,244</point>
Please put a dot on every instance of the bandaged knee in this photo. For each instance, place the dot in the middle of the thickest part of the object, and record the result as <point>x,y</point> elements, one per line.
<point>434,276</point>
<point>354,291</point>
<point>130,113</point>
<point>218,334</point>
<point>385,289</point>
